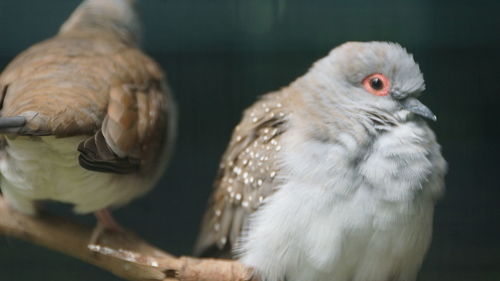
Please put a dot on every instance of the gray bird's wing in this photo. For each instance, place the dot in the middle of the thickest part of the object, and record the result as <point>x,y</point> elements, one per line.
<point>247,175</point>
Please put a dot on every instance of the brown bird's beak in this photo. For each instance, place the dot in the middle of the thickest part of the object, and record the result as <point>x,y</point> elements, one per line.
<point>415,106</point>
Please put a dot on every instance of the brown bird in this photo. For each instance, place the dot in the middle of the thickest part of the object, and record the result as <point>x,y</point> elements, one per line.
<point>334,177</point>
<point>86,117</point>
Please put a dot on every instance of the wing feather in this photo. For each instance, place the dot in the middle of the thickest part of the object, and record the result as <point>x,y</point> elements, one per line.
<point>247,175</point>
<point>89,85</point>
<point>130,130</point>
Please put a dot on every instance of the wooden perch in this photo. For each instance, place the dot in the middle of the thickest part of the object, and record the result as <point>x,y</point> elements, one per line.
<point>124,255</point>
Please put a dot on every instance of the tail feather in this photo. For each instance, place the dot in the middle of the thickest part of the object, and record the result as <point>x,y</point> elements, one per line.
<point>17,126</point>
<point>12,125</point>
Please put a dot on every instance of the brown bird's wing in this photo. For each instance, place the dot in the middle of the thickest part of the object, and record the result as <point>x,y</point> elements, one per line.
<point>132,131</point>
<point>247,175</point>
<point>89,84</point>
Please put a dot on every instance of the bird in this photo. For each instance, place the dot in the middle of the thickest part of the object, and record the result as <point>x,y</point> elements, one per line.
<point>86,117</point>
<point>334,177</point>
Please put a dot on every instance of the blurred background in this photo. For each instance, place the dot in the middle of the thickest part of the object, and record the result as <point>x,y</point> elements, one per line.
<point>220,55</point>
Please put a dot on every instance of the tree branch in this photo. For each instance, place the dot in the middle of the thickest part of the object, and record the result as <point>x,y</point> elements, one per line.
<point>125,255</point>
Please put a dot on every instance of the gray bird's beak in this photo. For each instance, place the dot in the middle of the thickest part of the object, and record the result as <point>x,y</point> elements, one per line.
<point>415,106</point>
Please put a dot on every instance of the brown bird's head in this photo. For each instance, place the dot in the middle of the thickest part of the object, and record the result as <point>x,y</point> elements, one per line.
<point>115,16</point>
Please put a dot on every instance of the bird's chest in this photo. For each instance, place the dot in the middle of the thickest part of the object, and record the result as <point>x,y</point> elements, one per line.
<point>352,211</point>
<point>388,173</point>
<point>394,166</point>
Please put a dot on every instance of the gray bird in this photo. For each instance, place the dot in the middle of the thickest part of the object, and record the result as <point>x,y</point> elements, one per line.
<point>86,117</point>
<point>334,177</point>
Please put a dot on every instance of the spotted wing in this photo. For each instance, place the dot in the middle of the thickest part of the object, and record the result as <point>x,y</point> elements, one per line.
<point>247,175</point>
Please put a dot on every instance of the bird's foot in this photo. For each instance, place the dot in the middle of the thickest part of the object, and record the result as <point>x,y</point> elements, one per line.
<point>105,223</point>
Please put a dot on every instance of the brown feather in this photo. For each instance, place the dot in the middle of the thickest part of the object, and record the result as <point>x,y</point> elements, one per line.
<point>91,83</point>
<point>96,155</point>
<point>247,175</point>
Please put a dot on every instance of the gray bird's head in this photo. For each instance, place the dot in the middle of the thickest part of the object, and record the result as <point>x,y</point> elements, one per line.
<point>371,79</point>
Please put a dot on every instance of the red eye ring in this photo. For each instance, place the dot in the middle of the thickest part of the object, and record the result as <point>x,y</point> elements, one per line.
<point>377,84</point>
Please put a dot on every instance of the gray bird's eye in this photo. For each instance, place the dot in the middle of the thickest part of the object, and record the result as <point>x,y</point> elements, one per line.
<point>376,83</point>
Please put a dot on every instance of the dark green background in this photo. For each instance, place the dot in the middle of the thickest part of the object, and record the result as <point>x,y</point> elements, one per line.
<point>222,54</point>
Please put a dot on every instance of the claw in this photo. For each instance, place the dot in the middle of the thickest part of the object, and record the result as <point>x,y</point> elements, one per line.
<point>105,222</point>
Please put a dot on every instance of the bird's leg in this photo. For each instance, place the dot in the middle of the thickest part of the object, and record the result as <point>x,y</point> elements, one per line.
<point>105,222</point>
